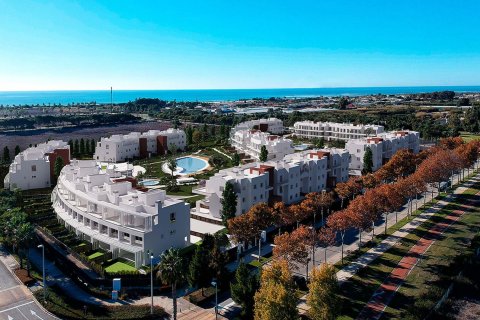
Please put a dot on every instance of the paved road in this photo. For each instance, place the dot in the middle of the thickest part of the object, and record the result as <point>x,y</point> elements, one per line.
<point>16,301</point>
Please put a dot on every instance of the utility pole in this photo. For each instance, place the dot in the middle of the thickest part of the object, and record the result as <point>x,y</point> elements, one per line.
<point>111,97</point>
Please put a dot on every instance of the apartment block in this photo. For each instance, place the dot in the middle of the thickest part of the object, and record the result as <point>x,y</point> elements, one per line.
<point>34,167</point>
<point>114,214</point>
<point>335,131</point>
<point>119,148</point>
<point>272,125</point>
<point>250,142</point>
<point>287,180</point>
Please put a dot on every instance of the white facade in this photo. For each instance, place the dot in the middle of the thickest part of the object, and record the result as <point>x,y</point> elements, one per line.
<point>286,180</point>
<point>32,168</point>
<point>383,147</point>
<point>115,216</point>
<point>119,148</point>
<point>335,131</point>
<point>251,141</point>
<point>272,125</point>
<point>357,148</point>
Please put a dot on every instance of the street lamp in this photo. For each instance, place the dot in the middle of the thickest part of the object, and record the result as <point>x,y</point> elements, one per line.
<point>43,271</point>
<point>214,283</point>
<point>151,283</point>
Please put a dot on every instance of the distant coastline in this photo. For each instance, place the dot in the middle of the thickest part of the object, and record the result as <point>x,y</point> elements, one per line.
<point>10,98</point>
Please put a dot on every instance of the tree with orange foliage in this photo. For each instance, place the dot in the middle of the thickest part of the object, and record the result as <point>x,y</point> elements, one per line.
<point>293,247</point>
<point>359,218</point>
<point>340,222</point>
<point>450,143</point>
<point>355,185</point>
<point>407,188</point>
<point>319,202</point>
<point>370,181</point>
<point>298,212</point>
<point>241,229</point>
<point>388,200</point>
<point>326,238</point>
<point>401,164</point>
<point>343,191</point>
<point>436,168</point>
<point>280,214</point>
<point>260,217</point>
<point>369,205</point>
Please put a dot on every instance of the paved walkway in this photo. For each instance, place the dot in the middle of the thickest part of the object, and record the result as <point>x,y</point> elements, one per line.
<point>385,293</point>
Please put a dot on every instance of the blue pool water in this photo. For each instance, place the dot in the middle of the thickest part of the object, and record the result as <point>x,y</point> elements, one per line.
<point>301,147</point>
<point>191,164</point>
<point>149,183</point>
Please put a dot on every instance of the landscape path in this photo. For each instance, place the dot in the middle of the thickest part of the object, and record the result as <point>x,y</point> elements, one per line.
<point>384,294</point>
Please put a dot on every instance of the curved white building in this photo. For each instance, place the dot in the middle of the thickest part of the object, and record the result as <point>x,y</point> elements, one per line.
<point>106,209</point>
<point>335,131</point>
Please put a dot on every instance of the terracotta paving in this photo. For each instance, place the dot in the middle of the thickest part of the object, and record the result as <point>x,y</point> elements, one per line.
<point>384,294</point>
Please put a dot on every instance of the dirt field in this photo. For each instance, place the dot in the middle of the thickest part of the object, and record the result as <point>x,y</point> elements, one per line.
<point>25,138</point>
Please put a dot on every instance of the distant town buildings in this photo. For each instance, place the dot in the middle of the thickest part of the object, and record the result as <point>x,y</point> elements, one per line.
<point>33,168</point>
<point>250,142</point>
<point>108,210</point>
<point>272,125</point>
<point>119,148</point>
<point>286,180</point>
<point>383,147</point>
<point>335,131</point>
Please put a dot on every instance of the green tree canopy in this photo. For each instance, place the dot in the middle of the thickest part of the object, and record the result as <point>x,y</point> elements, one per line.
<point>368,161</point>
<point>243,290</point>
<point>263,154</point>
<point>229,203</point>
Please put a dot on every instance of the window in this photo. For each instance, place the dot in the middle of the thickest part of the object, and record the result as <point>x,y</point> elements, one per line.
<point>34,168</point>
<point>172,217</point>
<point>254,186</point>
<point>243,199</point>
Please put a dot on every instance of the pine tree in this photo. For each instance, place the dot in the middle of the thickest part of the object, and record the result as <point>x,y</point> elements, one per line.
<point>58,166</point>
<point>263,154</point>
<point>82,146</point>
<point>229,203</point>
<point>243,290</point>
<point>6,155</point>
<point>76,148</point>
<point>17,149</point>
<point>236,159</point>
<point>323,292</point>
<point>368,161</point>
<point>199,273</point>
<point>92,146</point>
<point>87,146</point>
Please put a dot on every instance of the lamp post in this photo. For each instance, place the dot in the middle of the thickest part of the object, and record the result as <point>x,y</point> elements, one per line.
<point>214,283</point>
<point>43,272</point>
<point>151,284</point>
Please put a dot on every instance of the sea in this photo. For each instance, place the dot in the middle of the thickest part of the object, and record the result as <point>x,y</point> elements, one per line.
<point>19,98</point>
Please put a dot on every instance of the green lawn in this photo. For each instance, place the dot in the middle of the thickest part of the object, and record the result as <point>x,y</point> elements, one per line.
<point>95,255</point>
<point>431,277</point>
<point>359,289</point>
<point>469,136</point>
<point>119,267</point>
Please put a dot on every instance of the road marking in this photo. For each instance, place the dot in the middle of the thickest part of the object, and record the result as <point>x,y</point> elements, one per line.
<point>9,288</point>
<point>2,311</point>
<point>9,318</point>
<point>35,314</point>
<point>22,313</point>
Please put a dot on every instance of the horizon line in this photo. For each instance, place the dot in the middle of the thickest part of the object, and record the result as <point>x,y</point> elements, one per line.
<point>265,88</point>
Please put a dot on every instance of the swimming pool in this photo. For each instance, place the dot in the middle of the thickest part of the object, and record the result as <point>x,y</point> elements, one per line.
<point>149,183</point>
<point>187,165</point>
<point>301,147</point>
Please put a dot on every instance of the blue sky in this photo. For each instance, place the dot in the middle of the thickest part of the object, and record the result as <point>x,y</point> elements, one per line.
<point>69,45</point>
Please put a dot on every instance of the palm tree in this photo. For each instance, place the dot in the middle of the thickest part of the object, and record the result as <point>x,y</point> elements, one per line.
<point>171,271</point>
<point>172,166</point>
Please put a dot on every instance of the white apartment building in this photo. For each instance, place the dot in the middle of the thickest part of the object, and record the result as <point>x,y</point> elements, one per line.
<point>108,210</point>
<point>250,142</point>
<point>335,131</point>
<point>287,180</point>
<point>272,125</point>
<point>33,168</point>
<point>383,147</point>
<point>357,148</point>
<point>397,140</point>
<point>119,148</point>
